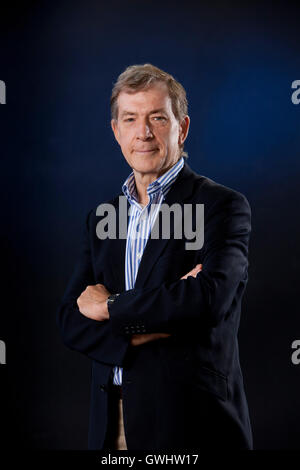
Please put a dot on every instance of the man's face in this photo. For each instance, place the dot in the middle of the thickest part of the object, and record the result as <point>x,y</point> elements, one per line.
<point>147,130</point>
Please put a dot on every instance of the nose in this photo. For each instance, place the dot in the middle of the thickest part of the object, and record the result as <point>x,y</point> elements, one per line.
<point>144,131</point>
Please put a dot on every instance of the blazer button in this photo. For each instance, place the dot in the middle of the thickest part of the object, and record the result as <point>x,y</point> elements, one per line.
<point>103,388</point>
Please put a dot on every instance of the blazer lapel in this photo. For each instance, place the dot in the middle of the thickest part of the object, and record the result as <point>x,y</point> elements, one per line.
<point>117,247</point>
<point>178,193</point>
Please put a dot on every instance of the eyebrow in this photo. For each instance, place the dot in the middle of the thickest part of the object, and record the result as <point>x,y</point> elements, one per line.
<point>154,111</point>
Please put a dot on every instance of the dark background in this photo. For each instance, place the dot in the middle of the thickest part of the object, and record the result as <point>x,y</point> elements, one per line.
<point>59,159</point>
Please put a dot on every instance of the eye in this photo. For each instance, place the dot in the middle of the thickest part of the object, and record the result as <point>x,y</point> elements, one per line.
<point>128,120</point>
<point>160,118</point>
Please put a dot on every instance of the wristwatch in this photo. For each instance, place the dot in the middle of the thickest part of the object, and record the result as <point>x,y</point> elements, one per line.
<point>111,299</point>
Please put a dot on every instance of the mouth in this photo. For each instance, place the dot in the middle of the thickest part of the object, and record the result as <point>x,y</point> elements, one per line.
<point>145,151</point>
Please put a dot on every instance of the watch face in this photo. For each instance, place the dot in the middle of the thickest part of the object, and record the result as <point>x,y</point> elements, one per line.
<point>111,298</point>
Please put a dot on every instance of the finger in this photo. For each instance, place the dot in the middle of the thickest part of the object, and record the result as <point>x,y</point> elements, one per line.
<point>198,267</point>
<point>193,272</point>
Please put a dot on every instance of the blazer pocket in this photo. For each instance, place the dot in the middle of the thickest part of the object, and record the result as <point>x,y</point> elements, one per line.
<point>211,381</point>
<point>197,376</point>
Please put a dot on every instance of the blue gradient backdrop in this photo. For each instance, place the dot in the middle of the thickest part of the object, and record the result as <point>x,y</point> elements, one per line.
<point>59,159</point>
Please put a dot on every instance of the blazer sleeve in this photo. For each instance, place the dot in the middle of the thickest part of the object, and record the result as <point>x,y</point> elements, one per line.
<point>93,338</point>
<point>202,301</point>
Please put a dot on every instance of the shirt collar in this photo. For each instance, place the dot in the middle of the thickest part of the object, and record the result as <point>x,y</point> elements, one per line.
<point>161,184</point>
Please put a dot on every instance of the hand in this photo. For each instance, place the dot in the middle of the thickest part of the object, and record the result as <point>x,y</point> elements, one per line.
<point>92,302</point>
<point>193,272</point>
<point>137,340</point>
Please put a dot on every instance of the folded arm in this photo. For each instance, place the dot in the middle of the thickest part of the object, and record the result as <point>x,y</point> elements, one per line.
<point>86,335</point>
<point>202,297</point>
<point>201,300</point>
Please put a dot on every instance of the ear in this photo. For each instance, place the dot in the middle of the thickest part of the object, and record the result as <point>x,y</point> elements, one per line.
<point>183,129</point>
<point>114,126</point>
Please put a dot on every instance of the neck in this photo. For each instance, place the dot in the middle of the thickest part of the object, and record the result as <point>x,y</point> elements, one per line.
<point>142,181</point>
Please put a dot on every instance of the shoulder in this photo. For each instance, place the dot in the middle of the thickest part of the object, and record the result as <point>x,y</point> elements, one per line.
<point>212,193</point>
<point>226,210</point>
<point>218,192</point>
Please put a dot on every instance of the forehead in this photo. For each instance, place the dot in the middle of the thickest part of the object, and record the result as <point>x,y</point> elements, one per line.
<point>155,97</point>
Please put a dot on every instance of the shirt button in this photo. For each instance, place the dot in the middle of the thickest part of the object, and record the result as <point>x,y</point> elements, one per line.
<point>139,255</point>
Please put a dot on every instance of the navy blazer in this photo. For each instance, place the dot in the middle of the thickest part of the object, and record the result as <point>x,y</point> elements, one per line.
<point>185,391</point>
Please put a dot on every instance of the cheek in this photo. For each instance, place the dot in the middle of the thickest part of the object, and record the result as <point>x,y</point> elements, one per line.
<point>175,136</point>
<point>164,137</point>
<point>126,140</point>
<point>172,134</point>
<point>171,139</point>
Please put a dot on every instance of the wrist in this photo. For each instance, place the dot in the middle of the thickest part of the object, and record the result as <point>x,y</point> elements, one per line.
<point>109,302</point>
<point>104,308</point>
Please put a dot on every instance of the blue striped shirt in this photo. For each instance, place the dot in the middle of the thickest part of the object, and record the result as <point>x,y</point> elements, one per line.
<point>141,221</point>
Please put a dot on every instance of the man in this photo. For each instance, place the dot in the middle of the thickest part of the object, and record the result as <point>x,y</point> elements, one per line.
<point>158,320</point>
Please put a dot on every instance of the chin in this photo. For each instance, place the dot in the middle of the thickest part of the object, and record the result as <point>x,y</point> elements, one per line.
<point>145,167</point>
<point>148,164</point>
